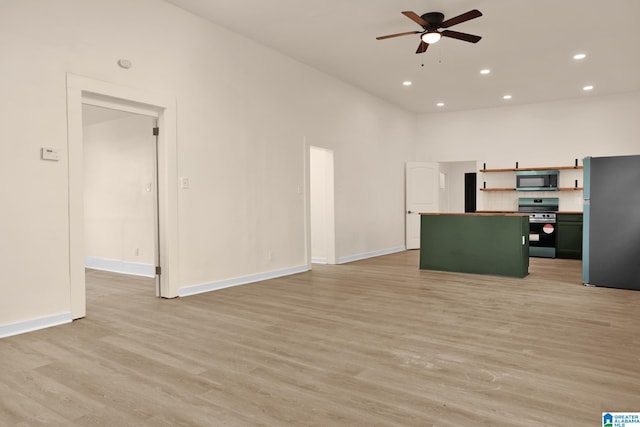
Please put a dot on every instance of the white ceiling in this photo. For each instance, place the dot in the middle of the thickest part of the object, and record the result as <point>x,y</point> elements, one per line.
<point>527,44</point>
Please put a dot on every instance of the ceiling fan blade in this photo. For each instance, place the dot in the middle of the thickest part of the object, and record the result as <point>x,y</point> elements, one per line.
<point>475,13</point>
<point>398,35</point>
<point>461,36</point>
<point>422,48</point>
<point>416,18</point>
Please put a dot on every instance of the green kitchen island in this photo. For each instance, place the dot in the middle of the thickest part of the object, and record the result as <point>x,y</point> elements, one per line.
<point>480,243</point>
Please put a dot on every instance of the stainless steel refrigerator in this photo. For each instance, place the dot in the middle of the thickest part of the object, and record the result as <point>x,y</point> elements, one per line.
<point>611,231</point>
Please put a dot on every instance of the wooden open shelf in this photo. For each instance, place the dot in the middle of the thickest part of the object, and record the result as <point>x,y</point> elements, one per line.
<point>513,189</point>
<point>544,168</point>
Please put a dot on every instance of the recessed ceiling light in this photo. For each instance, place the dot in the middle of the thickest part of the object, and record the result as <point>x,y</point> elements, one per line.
<point>507,97</point>
<point>586,88</point>
<point>579,56</point>
<point>485,71</point>
<point>407,83</point>
<point>440,104</point>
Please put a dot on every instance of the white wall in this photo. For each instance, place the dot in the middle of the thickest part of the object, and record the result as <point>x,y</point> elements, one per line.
<point>369,169</point>
<point>246,115</point>
<point>549,134</point>
<point>119,178</point>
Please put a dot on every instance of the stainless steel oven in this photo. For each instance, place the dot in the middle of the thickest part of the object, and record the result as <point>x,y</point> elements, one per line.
<point>542,225</point>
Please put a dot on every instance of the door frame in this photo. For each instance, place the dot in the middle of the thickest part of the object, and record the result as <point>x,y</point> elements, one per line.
<point>81,90</point>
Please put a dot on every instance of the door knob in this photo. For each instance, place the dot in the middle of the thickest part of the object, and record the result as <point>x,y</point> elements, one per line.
<point>409,212</point>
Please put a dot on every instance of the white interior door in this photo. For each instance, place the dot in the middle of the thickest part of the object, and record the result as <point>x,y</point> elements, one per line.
<point>421,187</point>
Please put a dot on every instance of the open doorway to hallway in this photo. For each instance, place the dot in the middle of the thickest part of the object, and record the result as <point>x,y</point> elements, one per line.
<point>120,197</point>
<point>322,208</point>
<point>84,90</point>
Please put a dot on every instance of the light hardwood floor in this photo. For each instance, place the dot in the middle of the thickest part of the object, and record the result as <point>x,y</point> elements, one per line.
<point>371,343</point>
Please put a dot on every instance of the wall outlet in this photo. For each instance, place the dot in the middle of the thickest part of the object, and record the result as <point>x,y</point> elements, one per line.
<point>184,182</point>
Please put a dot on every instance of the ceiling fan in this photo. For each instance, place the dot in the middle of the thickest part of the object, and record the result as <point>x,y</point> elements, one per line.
<point>432,22</point>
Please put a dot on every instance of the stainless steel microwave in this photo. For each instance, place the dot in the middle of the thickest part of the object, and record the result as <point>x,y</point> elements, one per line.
<point>537,180</point>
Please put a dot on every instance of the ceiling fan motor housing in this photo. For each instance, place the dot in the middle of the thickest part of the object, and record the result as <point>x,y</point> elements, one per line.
<point>433,19</point>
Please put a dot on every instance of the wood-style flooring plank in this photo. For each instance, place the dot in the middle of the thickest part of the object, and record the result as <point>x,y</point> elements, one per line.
<point>376,342</point>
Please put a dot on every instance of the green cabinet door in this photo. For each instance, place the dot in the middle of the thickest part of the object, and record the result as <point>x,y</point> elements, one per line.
<point>569,237</point>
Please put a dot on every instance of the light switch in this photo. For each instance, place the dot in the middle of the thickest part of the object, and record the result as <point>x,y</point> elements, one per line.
<point>184,182</point>
<point>50,154</point>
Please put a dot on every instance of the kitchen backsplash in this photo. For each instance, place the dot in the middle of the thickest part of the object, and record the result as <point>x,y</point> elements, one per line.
<point>570,201</point>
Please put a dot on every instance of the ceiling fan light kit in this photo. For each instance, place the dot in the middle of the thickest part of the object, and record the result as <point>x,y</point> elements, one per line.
<point>431,37</point>
<point>432,22</point>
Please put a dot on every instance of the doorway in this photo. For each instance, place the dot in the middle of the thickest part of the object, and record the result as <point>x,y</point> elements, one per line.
<point>120,192</point>
<point>322,208</point>
<point>470,189</point>
<point>83,90</point>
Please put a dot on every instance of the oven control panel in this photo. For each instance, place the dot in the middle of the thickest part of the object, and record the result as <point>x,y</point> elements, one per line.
<point>548,217</point>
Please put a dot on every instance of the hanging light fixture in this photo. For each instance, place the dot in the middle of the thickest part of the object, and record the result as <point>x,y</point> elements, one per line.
<point>431,37</point>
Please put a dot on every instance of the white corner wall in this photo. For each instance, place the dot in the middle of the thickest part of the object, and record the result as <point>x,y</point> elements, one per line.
<point>242,135</point>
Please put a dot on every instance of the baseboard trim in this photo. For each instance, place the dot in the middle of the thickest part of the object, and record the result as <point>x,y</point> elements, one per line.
<point>222,284</point>
<point>120,266</point>
<point>318,260</point>
<point>34,324</point>
<point>357,257</point>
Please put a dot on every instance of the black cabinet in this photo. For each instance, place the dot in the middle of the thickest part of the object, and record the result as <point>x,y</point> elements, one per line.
<point>569,236</point>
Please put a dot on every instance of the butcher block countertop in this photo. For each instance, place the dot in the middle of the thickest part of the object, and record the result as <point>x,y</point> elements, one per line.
<point>510,212</point>
<point>482,213</point>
